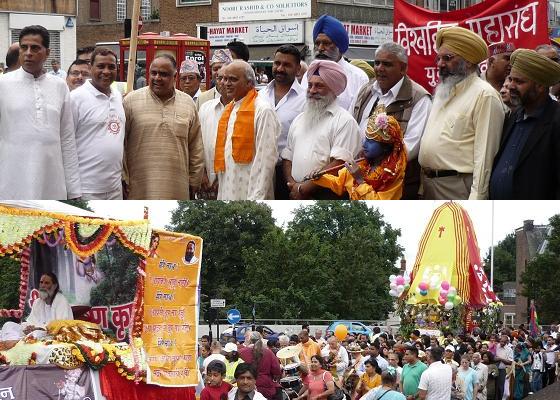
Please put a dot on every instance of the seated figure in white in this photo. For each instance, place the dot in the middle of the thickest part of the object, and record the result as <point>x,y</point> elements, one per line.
<point>50,306</point>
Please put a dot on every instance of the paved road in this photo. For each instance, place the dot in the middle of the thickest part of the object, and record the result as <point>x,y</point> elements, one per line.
<point>548,393</point>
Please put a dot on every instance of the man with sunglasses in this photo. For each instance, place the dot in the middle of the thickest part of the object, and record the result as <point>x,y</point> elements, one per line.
<point>463,131</point>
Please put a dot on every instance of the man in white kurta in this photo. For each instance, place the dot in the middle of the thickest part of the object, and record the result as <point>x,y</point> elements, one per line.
<point>324,135</point>
<point>253,180</point>
<point>38,158</point>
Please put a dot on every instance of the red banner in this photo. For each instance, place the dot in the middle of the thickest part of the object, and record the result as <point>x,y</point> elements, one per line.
<point>522,22</point>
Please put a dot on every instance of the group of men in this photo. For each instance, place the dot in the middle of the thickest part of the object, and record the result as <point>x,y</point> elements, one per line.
<point>493,135</point>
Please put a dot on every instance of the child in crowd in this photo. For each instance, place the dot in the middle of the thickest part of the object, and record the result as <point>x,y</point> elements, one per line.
<point>216,388</point>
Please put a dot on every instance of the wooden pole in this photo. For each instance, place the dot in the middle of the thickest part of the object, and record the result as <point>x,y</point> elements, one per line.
<point>133,45</point>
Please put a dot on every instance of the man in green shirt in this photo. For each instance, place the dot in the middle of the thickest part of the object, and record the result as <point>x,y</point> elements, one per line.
<point>412,370</point>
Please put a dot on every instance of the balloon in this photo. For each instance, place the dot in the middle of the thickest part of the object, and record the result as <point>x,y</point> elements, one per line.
<point>452,290</point>
<point>407,279</point>
<point>400,289</point>
<point>457,300</point>
<point>393,293</point>
<point>406,286</point>
<point>423,286</point>
<point>442,300</point>
<point>341,331</point>
<point>443,293</point>
<point>450,297</point>
<point>423,292</point>
<point>392,278</point>
<point>399,280</point>
<point>445,285</point>
<point>393,285</point>
<point>449,305</point>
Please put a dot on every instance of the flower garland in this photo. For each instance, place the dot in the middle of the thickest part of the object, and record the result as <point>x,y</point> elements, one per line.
<point>16,248</point>
<point>93,359</point>
<point>126,242</point>
<point>135,332</point>
<point>74,241</point>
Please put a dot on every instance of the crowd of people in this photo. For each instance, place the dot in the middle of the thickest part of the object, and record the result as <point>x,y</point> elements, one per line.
<point>323,131</point>
<point>506,364</point>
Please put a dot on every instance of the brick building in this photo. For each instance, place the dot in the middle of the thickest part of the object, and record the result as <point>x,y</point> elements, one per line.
<point>369,22</point>
<point>57,16</point>
<point>530,240</point>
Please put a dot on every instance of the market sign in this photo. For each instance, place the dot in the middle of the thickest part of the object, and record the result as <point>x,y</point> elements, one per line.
<point>255,33</point>
<point>368,34</point>
<point>264,10</point>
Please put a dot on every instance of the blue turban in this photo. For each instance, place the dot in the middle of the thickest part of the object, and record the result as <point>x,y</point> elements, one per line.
<point>334,29</point>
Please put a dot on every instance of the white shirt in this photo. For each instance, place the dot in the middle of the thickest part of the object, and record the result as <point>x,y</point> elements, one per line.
<point>436,380</point>
<point>506,353</point>
<point>253,181</point>
<point>209,115</point>
<point>482,378</point>
<point>342,364</point>
<point>100,123</point>
<point>196,95</point>
<point>416,124</point>
<point>309,149</point>
<point>355,79</point>
<point>232,394</point>
<point>289,107</point>
<point>60,73</point>
<point>38,158</point>
<point>550,356</point>
<point>42,313</point>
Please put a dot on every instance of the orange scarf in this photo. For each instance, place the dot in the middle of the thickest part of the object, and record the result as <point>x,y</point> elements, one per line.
<point>243,138</point>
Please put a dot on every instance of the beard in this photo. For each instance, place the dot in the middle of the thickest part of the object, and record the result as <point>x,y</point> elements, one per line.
<point>315,108</point>
<point>449,79</point>
<point>45,294</point>
<point>189,255</point>
<point>333,55</point>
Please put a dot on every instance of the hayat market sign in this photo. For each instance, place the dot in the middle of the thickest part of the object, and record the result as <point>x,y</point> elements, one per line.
<point>368,34</point>
<point>264,10</point>
<point>255,34</point>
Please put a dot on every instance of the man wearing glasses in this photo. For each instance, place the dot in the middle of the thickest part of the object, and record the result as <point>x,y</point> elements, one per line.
<point>190,78</point>
<point>78,74</point>
<point>463,131</point>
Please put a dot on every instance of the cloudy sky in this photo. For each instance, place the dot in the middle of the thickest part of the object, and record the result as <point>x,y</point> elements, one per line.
<point>410,217</point>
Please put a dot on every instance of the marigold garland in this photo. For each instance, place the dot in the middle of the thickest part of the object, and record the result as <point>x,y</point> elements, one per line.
<point>87,249</point>
<point>87,355</point>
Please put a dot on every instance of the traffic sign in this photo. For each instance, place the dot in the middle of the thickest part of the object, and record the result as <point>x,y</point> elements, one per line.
<point>217,303</point>
<point>233,316</point>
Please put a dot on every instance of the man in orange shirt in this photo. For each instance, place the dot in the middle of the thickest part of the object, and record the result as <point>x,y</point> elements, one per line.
<point>309,348</point>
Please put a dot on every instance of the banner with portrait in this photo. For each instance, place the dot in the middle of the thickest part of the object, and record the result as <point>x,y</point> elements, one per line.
<point>171,308</point>
<point>100,287</point>
<point>522,22</point>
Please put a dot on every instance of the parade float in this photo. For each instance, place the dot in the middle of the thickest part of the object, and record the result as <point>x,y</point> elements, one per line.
<point>447,289</point>
<point>133,292</point>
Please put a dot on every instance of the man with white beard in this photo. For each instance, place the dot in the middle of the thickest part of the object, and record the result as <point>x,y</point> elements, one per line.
<point>463,131</point>
<point>323,136</point>
<point>50,306</point>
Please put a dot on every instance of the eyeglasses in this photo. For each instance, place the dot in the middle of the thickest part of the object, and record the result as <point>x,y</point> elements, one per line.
<point>85,74</point>
<point>446,58</point>
<point>188,78</point>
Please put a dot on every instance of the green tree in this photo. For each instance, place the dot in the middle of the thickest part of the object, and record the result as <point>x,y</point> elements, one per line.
<point>119,265</point>
<point>541,279</point>
<point>504,262</point>
<point>333,261</point>
<point>9,284</point>
<point>229,230</point>
<point>83,204</point>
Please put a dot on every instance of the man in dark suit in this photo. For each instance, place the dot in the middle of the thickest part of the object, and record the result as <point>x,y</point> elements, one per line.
<point>527,166</point>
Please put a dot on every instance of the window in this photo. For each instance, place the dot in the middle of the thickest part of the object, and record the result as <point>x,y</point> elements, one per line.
<point>121,10</point>
<point>94,10</point>
<point>509,319</point>
<point>146,10</point>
